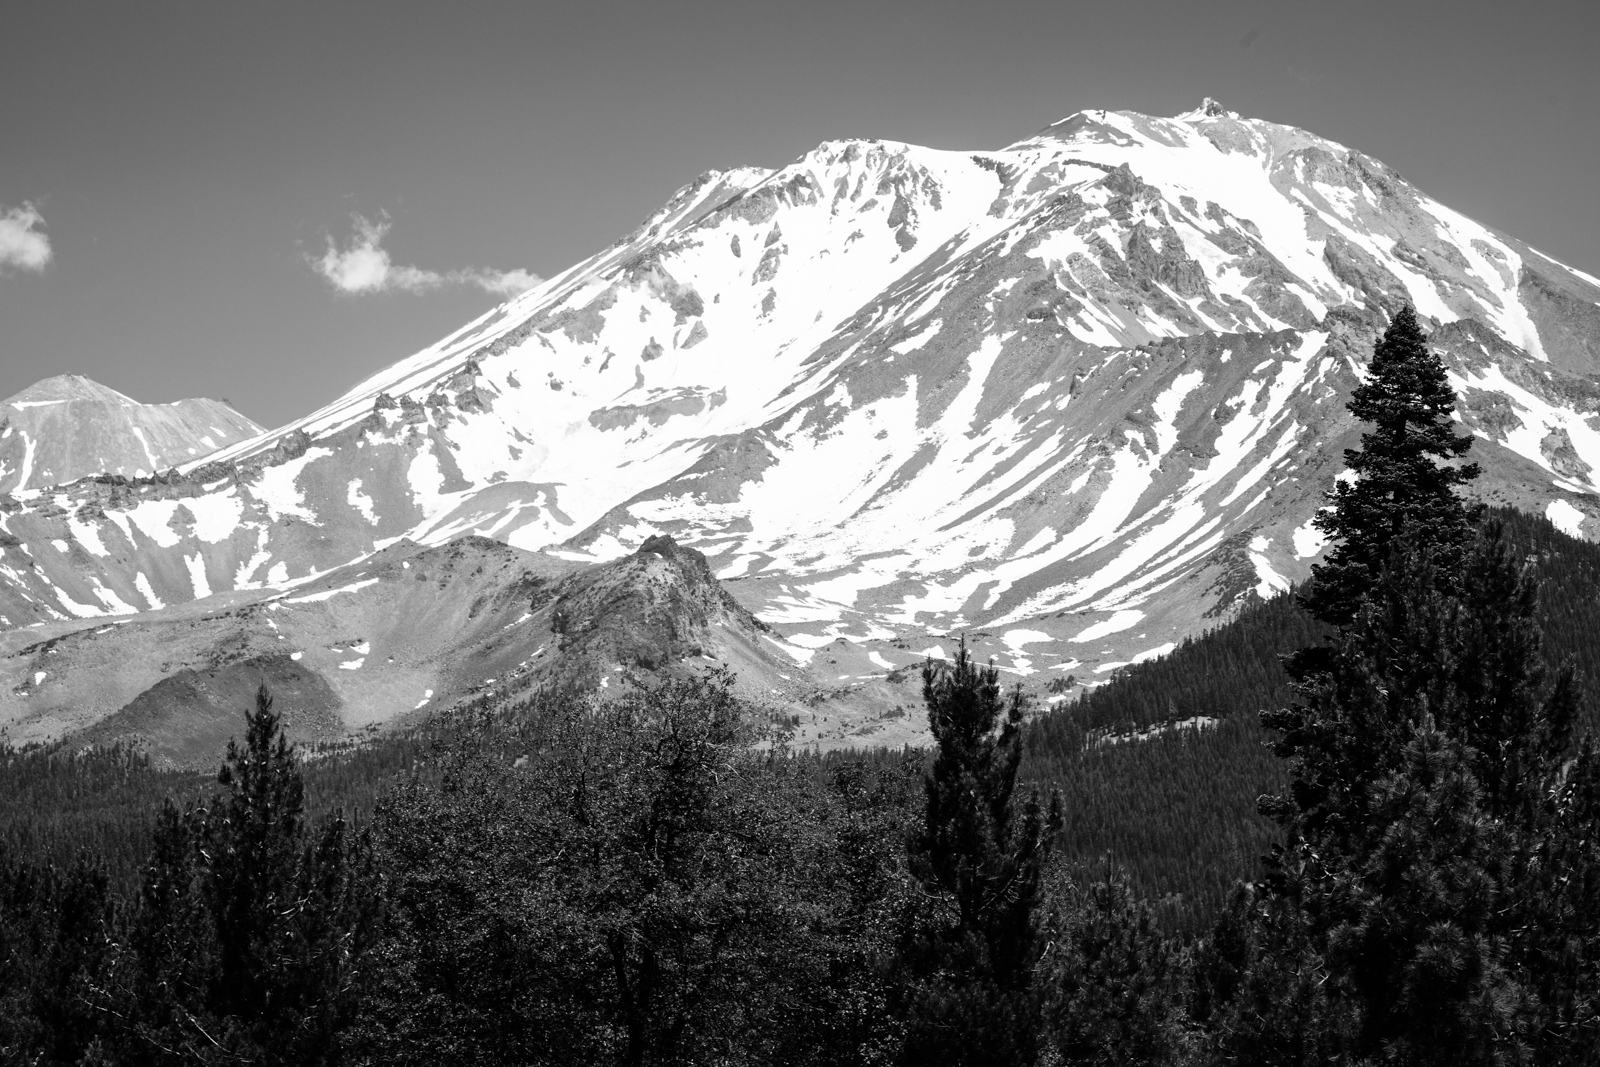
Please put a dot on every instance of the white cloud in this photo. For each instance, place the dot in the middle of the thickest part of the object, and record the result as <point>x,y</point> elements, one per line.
<point>21,244</point>
<point>364,266</point>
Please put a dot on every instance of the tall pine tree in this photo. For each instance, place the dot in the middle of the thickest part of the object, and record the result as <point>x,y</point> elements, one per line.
<point>250,923</point>
<point>1424,747</point>
<point>1403,480</point>
<point>967,959</point>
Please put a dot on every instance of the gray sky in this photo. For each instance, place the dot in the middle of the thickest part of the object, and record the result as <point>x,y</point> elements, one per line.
<point>187,158</point>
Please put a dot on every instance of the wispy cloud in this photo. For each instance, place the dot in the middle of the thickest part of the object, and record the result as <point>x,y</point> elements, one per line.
<point>364,266</point>
<point>22,245</point>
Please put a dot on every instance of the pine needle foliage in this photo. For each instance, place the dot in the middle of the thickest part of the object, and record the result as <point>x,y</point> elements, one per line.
<point>968,955</point>
<point>250,925</point>
<point>1404,479</point>
<point>1427,747</point>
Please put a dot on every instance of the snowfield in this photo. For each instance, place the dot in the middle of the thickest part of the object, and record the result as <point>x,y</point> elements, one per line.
<point>1086,390</point>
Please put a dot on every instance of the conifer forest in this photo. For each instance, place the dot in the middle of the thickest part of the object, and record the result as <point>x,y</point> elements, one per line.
<point>1357,824</point>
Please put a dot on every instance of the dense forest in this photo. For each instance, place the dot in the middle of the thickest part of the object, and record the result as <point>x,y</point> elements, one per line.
<point>1356,824</point>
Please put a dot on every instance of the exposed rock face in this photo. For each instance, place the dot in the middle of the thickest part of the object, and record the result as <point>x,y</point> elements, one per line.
<point>649,609</point>
<point>69,427</point>
<point>1083,394</point>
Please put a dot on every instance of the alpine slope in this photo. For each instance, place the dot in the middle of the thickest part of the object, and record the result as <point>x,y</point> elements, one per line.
<point>1078,398</point>
<point>69,427</point>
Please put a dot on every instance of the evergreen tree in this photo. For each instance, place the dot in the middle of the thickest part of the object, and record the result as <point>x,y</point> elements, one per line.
<point>630,883</point>
<point>1403,480</point>
<point>1109,979</point>
<point>54,923</point>
<point>1416,936</point>
<point>1259,990</point>
<point>1423,749</point>
<point>1516,722</point>
<point>967,960</point>
<point>1560,918</point>
<point>172,947</point>
<point>252,843</point>
<point>249,925</point>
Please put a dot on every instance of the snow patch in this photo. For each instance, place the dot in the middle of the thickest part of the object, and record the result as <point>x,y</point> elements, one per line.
<point>1154,653</point>
<point>917,340</point>
<point>1308,540</point>
<point>115,604</point>
<point>1121,620</point>
<point>197,575</point>
<point>142,584</point>
<point>154,519</point>
<point>276,488</point>
<point>88,536</point>
<point>801,656</point>
<point>1567,519</point>
<point>329,594</point>
<point>1270,582</point>
<point>361,502</point>
<point>216,515</point>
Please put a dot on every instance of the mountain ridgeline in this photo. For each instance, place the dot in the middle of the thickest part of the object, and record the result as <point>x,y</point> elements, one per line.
<point>1083,395</point>
<point>600,627</point>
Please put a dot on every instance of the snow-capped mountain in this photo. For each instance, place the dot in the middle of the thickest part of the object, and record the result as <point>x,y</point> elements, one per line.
<point>68,427</point>
<point>1081,395</point>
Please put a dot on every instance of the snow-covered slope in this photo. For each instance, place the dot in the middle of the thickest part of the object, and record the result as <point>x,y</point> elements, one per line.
<point>1082,394</point>
<point>68,427</point>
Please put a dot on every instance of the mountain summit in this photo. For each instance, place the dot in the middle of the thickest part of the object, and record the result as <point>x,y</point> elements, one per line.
<point>1081,396</point>
<point>68,427</point>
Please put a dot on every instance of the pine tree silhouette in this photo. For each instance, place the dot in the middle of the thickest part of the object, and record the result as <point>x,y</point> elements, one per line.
<point>1425,746</point>
<point>978,855</point>
<point>1404,482</point>
<point>253,843</point>
<point>249,925</point>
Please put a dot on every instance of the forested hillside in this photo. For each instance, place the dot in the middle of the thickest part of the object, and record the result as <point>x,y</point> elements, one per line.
<point>1175,809</point>
<point>1354,823</point>
<point>1235,667</point>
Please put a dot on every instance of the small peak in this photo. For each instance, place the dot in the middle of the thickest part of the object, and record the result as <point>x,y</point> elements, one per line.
<point>1209,109</point>
<point>660,544</point>
<point>68,387</point>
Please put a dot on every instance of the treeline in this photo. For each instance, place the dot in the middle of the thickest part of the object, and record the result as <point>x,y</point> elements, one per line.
<point>1237,668</point>
<point>59,803</point>
<point>1386,851</point>
<point>1156,834</point>
<point>1175,811</point>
